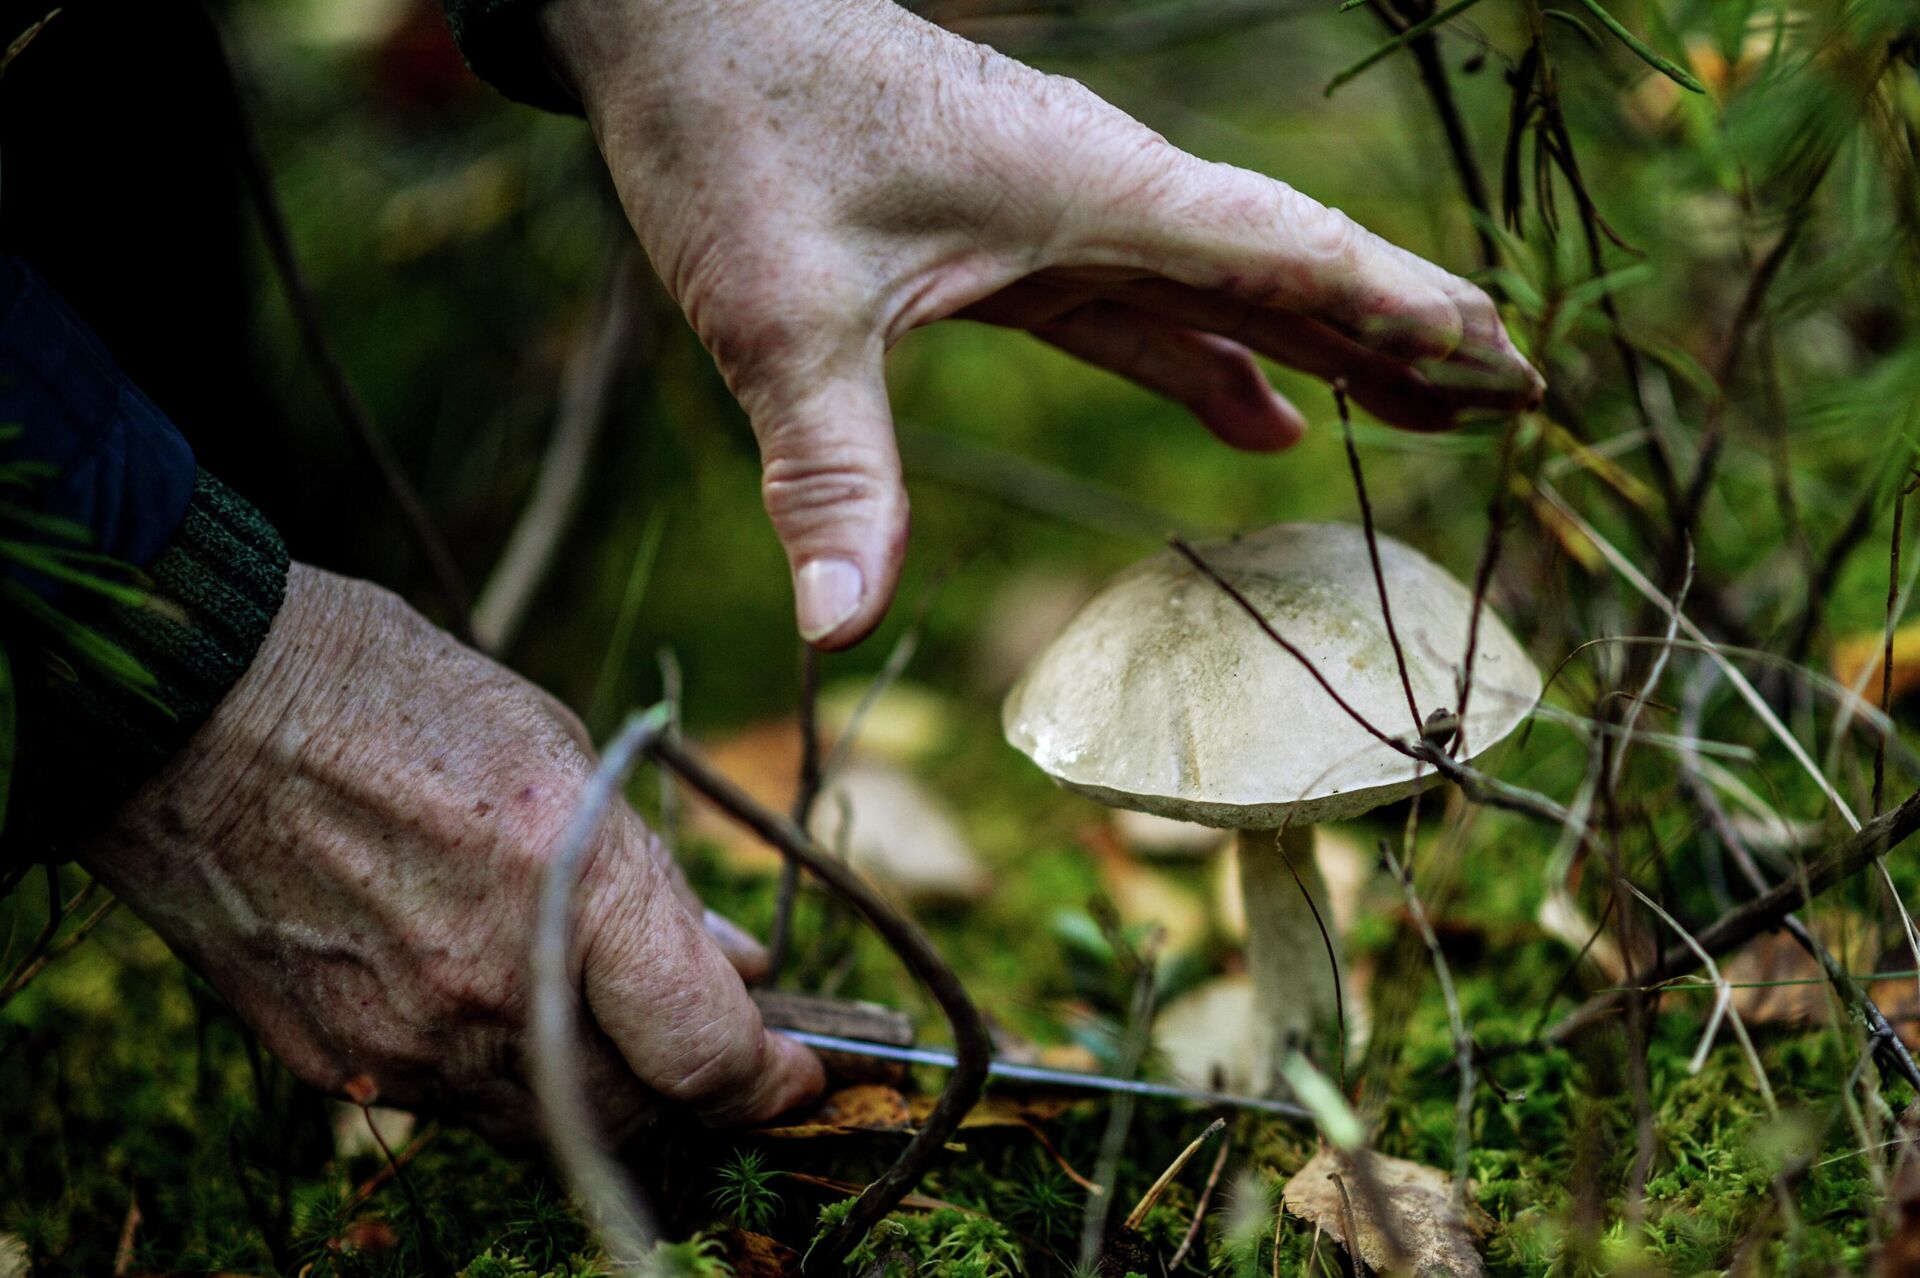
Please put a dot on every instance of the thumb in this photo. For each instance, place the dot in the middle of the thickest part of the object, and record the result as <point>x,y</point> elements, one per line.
<point>830,477</point>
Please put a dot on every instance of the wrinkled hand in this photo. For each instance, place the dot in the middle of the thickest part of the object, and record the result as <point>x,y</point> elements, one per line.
<point>349,851</point>
<point>814,180</point>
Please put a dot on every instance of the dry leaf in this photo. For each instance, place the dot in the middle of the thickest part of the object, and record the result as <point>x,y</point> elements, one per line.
<point>1143,894</point>
<point>1206,1035</point>
<point>1561,918</point>
<point>1862,653</point>
<point>758,1256</point>
<point>899,834</point>
<point>1775,957</point>
<point>1561,529</point>
<point>907,723</point>
<point>1900,1258</point>
<point>1419,1210</point>
<point>1158,836</point>
<point>1229,907</point>
<point>1345,867</point>
<point>14,1261</point>
<point>351,1137</point>
<point>1001,1109</point>
<point>896,831</point>
<point>1025,1113</point>
<point>1022,618</point>
<point>862,1108</point>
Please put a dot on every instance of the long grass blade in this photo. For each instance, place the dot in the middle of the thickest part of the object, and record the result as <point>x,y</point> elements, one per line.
<point>1413,32</point>
<point>1646,52</point>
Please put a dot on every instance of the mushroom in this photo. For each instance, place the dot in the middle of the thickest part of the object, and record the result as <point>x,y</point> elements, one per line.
<point>1162,695</point>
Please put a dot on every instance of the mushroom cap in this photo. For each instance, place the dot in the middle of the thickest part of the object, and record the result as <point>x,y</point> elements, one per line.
<point>1164,696</point>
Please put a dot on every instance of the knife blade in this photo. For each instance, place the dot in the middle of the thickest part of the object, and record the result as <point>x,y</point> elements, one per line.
<point>1044,1074</point>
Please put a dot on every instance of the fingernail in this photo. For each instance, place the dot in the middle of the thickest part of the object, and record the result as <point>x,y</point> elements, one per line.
<point>733,938</point>
<point>826,592</point>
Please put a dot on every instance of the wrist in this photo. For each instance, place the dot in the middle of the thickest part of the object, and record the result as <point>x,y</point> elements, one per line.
<point>91,740</point>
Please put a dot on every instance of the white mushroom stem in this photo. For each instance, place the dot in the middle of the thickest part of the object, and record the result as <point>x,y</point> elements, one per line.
<point>1295,987</point>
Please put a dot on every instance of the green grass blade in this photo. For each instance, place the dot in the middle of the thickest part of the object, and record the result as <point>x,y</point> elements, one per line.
<point>1665,66</point>
<point>1418,29</point>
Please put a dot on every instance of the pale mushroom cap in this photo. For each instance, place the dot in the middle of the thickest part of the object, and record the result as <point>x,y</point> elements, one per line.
<point>1163,695</point>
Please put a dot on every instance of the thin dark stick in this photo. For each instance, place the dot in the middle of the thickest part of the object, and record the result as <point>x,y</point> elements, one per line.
<point>779,937</point>
<point>1482,579</point>
<point>1373,548</point>
<point>1350,1239</point>
<point>1858,524</point>
<point>1759,283</point>
<point>1466,166</point>
<point>352,411</point>
<point>1113,1139</point>
<point>427,1235</point>
<point>972,1046</point>
<point>1764,912</point>
<point>1326,941</point>
<point>1208,571</point>
<point>1892,1051</point>
<point>1886,655</point>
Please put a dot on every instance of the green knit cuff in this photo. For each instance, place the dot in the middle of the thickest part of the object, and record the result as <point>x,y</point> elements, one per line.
<point>214,591</point>
<point>500,42</point>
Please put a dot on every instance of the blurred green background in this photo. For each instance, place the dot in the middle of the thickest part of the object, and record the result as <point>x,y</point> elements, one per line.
<point>460,247</point>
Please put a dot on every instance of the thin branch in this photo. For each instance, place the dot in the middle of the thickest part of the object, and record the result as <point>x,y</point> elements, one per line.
<point>806,795</point>
<point>1892,1051</point>
<point>1245,605</point>
<point>347,404</point>
<point>1886,656</point>
<point>1200,1204</point>
<point>972,1045</point>
<point>1764,912</point>
<point>586,393</point>
<point>1373,550</point>
<point>608,1196</point>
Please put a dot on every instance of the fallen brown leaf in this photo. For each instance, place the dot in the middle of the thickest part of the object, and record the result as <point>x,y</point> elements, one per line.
<point>1862,654</point>
<point>1419,1202</point>
<point>758,1256</point>
<point>862,1108</point>
<point>1158,836</point>
<point>1143,894</point>
<point>1025,1113</point>
<point>897,832</point>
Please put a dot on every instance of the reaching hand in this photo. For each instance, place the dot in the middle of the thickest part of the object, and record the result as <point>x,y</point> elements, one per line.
<point>814,180</point>
<point>348,850</point>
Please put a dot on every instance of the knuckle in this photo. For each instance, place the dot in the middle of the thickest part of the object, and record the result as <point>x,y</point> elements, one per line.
<point>1322,235</point>
<point>723,1056</point>
<point>804,489</point>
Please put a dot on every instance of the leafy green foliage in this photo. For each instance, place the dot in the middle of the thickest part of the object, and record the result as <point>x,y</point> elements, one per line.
<point>745,1196</point>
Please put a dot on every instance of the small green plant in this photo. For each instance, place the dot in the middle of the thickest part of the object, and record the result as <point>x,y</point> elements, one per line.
<point>976,1247</point>
<point>493,1264</point>
<point>745,1197</point>
<point>697,1257</point>
<point>1046,1204</point>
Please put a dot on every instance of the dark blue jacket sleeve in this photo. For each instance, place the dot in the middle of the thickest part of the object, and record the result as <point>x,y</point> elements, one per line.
<point>116,464</point>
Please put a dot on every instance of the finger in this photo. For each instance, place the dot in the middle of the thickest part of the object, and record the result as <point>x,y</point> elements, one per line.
<point>1390,389</point>
<point>743,950</point>
<point>1218,380</point>
<point>675,1007</point>
<point>1216,227</point>
<point>830,477</point>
